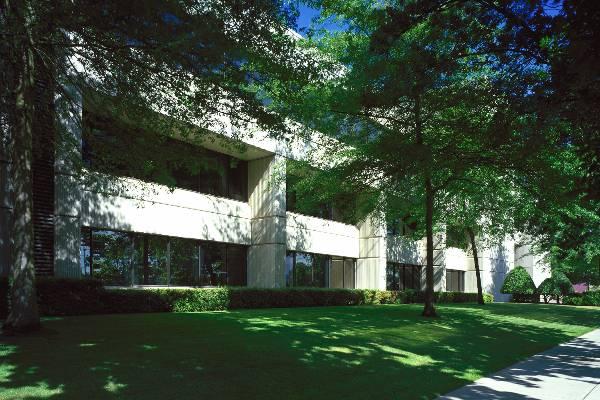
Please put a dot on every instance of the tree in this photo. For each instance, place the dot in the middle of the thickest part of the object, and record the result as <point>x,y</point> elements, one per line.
<point>484,209</point>
<point>416,99</point>
<point>556,286</point>
<point>518,282</point>
<point>152,61</point>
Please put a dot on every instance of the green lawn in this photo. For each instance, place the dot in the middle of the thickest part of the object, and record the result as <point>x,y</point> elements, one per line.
<point>378,352</point>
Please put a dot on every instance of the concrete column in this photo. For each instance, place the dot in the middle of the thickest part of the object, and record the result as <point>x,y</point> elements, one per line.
<point>67,202</point>
<point>266,189</point>
<point>371,264</point>
<point>439,261</point>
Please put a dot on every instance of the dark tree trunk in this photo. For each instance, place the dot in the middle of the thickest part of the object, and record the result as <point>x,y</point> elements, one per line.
<point>476,261</point>
<point>23,314</point>
<point>429,308</point>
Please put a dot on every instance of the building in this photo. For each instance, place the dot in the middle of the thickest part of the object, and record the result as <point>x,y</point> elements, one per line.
<point>233,224</point>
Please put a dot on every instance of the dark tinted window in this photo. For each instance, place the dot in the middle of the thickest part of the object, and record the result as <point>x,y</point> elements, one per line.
<point>403,276</point>
<point>107,147</point>
<point>124,258</point>
<point>455,281</point>
<point>307,270</point>
<point>342,273</point>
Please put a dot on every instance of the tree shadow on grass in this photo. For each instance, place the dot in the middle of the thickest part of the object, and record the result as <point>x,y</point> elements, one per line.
<point>352,352</point>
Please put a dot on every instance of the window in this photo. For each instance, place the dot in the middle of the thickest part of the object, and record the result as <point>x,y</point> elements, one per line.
<point>314,209</point>
<point>107,148</point>
<point>311,200</point>
<point>455,280</point>
<point>401,226</point>
<point>456,237</point>
<point>184,262</point>
<point>317,270</point>
<point>125,258</point>
<point>112,256</point>
<point>342,273</point>
<point>403,276</point>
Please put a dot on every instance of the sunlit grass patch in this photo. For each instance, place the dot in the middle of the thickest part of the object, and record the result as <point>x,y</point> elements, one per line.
<point>318,353</point>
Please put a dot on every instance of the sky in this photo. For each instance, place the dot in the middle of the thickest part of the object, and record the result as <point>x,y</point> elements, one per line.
<point>305,17</point>
<point>307,13</point>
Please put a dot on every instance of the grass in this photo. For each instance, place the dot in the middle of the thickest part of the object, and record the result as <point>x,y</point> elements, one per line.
<point>378,352</point>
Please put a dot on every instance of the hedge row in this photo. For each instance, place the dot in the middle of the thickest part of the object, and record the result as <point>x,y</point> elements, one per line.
<point>87,296</point>
<point>583,299</point>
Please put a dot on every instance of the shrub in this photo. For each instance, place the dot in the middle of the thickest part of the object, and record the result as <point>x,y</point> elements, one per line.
<point>519,284</point>
<point>557,286</point>
<point>57,296</point>
<point>583,299</point>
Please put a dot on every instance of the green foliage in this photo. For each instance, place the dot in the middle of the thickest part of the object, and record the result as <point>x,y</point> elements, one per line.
<point>57,296</point>
<point>518,282</point>
<point>583,299</point>
<point>556,286</point>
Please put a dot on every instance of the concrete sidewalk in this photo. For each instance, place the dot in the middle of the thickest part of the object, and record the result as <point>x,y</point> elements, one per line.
<point>570,371</point>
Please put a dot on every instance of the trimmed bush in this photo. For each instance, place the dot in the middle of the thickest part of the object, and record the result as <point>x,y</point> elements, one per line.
<point>451,297</point>
<point>557,286</point>
<point>520,285</point>
<point>583,299</point>
<point>58,297</point>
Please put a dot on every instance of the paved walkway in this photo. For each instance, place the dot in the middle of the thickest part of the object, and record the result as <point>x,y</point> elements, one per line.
<point>570,371</point>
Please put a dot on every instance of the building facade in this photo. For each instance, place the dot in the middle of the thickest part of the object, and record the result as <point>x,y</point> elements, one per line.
<point>231,224</point>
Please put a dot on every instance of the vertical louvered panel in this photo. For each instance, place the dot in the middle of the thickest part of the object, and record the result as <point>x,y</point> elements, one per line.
<point>43,211</point>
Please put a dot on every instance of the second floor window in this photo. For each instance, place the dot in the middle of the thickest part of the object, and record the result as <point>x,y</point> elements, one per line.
<point>117,149</point>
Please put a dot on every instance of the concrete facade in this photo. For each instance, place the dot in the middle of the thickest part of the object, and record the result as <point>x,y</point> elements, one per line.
<point>263,223</point>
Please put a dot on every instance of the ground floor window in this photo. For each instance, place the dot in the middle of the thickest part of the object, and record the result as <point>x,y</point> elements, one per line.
<point>455,280</point>
<point>318,270</point>
<point>403,276</point>
<point>129,258</point>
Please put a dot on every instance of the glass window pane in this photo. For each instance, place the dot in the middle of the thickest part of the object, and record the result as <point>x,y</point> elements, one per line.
<point>320,271</point>
<point>401,282</point>
<point>289,269</point>
<point>418,272</point>
<point>408,277</point>
<point>212,271</point>
<point>336,274</point>
<point>349,273</point>
<point>112,257</point>
<point>389,277</point>
<point>236,265</point>
<point>238,179</point>
<point>85,252</point>
<point>456,281</point>
<point>184,262</point>
<point>151,260</point>
<point>303,269</point>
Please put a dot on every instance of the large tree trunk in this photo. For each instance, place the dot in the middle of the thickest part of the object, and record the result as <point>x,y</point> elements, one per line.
<point>429,308</point>
<point>23,315</point>
<point>476,261</point>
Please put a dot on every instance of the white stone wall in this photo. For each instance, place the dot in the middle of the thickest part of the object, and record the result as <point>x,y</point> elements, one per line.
<point>316,235</point>
<point>262,223</point>
<point>266,190</point>
<point>536,264</point>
